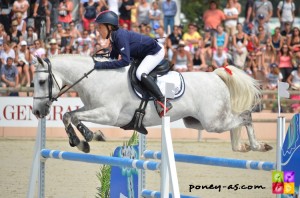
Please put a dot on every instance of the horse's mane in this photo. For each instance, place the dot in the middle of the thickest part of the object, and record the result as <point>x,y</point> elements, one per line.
<point>77,55</point>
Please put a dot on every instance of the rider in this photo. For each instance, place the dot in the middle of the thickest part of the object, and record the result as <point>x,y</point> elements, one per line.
<point>131,44</point>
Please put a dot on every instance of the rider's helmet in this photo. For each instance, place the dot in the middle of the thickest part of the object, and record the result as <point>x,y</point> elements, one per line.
<point>108,17</point>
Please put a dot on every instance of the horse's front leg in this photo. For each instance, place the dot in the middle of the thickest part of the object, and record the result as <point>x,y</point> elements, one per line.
<point>73,139</point>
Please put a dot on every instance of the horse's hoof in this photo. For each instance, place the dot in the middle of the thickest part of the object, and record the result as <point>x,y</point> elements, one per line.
<point>243,148</point>
<point>99,136</point>
<point>264,147</point>
<point>84,146</point>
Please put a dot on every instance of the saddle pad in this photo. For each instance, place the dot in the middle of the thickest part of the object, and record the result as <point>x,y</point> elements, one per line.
<point>171,77</point>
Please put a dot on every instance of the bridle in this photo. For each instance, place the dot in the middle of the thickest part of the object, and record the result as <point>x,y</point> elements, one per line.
<point>62,90</point>
<point>50,82</point>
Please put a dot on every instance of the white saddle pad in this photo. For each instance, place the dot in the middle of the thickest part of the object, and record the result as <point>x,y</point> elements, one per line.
<point>171,77</point>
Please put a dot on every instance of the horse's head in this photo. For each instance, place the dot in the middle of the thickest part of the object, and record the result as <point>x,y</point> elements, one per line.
<point>44,87</point>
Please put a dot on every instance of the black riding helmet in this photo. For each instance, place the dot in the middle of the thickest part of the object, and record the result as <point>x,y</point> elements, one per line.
<point>108,17</point>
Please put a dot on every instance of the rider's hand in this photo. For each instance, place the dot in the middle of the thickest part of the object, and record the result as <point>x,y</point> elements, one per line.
<point>98,65</point>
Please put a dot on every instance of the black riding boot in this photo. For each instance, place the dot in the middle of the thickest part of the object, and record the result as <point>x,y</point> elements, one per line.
<point>149,83</point>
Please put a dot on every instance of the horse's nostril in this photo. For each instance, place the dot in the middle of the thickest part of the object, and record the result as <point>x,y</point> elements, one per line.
<point>36,112</point>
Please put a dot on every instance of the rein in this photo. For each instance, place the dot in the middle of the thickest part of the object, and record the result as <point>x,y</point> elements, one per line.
<point>62,90</point>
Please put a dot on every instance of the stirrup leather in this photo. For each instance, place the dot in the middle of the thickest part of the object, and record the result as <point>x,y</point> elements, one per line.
<point>160,107</point>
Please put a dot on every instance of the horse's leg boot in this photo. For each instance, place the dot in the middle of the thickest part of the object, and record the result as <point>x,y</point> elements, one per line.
<point>73,139</point>
<point>86,133</point>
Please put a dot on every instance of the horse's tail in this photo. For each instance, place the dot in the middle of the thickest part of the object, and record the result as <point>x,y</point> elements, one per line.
<point>244,90</point>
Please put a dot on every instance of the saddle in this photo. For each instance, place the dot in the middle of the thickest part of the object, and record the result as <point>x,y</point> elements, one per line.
<point>137,121</point>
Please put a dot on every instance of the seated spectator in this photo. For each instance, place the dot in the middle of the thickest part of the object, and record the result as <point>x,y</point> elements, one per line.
<point>160,35</point>
<point>240,47</point>
<point>192,37</point>
<point>262,39</point>
<point>261,22</point>
<point>9,75</point>
<point>3,35</point>
<point>15,36</point>
<point>53,50</point>
<point>85,50</point>
<point>221,39</point>
<point>203,54</point>
<point>68,50</point>
<point>231,14</point>
<point>42,11</point>
<point>273,77</point>
<point>285,62</point>
<point>268,57</point>
<point>173,40</point>
<point>22,7</point>
<point>58,34</point>
<point>85,39</point>
<point>294,42</point>
<point>67,39</point>
<point>251,64</point>
<point>38,49</point>
<point>30,36</point>
<point>22,60</point>
<point>294,81</point>
<point>74,31</point>
<point>182,59</point>
<point>88,12</point>
<point>21,23</point>
<point>287,31</point>
<point>65,12</point>
<point>277,40</point>
<point>92,31</point>
<point>7,52</point>
<point>219,58</point>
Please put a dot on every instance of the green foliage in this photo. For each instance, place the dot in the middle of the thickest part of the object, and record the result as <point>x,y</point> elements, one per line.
<point>104,174</point>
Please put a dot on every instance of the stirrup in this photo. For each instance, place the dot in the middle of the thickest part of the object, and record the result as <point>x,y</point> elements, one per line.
<point>160,107</point>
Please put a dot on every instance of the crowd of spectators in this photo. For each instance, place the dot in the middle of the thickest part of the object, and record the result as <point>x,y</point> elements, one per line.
<point>265,54</point>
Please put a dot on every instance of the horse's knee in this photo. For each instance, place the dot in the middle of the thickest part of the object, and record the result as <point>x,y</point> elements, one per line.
<point>246,117</point>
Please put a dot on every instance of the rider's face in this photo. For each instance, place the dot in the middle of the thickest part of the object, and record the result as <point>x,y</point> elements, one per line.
<point>102,30</point>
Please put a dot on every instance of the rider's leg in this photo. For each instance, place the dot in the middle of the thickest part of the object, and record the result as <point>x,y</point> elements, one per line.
<point>146,66</point>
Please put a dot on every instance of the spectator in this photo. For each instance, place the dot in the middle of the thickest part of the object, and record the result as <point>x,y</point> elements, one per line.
<point>143,12</point>
<point>251,64</point>
<point>134,21</point>
<point>219,58</point>
<point>22,7</point>
<point>14,36</point>
<point>54,13</point>
<point>248,23</point>
<point>294,42</point>
<point>273,77</point>
<point>173,40</point>
<point>286,12</point>
<point>294,79</point>
<point>5,14</point>
<point>192,37</point>
<point>268,57</point>
<point>125,13</point>
<point>221,39</point>
<point>262,8</point>
<point>88,12</point>
<point>113,6</point>
<point>75,32</point>
<point>65,12</point>
<point>261,22</point>
<point>7,52</point>
<point>9,75</point>
<point>277,40</point>
<point>148,32</point>
<point>102,6</point>
<point>67,39</point>
<point>58,34</point>
<point>238,6</point>
<point>160,36</point>
<point>21,23</point>
<point>53,50</point>
<point>85,39</point>
<point>204,52</point>
<point>169,9</point>
<point>182,59</point>
<point>30,36</point>
<point>213,17</point>
<point>22,60</point>
<point>231,18</point>
<point>3,35</point>
<point>42,11</point>
<point>69,50</point>
<point>285,62</point>
<point>155,14</point>
<point>239,47</point>
<point>287,31</point>
<point>39,49</point>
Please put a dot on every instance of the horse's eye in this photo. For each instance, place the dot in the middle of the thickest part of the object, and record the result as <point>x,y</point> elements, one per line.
<point>41,82</point>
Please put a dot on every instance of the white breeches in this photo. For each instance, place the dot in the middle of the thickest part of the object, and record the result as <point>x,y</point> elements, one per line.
<point>150,62</point>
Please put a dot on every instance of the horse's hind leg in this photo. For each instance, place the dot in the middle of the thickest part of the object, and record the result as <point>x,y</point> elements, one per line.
<point>254,144</point>
<point>235,135</point>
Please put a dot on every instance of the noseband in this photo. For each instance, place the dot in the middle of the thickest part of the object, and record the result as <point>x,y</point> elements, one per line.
<point>50,82</point>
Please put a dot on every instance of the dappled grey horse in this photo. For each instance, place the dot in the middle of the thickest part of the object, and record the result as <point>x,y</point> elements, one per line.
<point>214,101</point>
